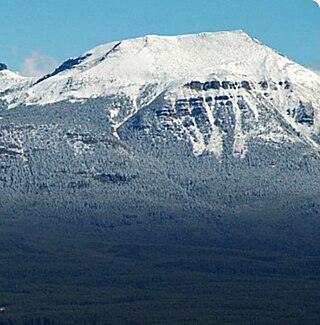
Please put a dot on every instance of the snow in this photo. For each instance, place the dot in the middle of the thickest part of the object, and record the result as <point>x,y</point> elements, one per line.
<point>131,64</point>
<point>10,79</point>
<point>143,68</point>
<point>215,144</point>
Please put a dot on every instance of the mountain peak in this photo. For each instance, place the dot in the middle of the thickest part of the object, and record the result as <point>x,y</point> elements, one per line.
<point>128,66</point>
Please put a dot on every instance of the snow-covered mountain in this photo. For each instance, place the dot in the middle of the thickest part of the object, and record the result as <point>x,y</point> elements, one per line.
<point>128,66</point>
<point>213,131</point>
<point>210,84</point>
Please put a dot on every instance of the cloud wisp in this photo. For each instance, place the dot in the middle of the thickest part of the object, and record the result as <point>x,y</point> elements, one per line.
<point>37,64</point>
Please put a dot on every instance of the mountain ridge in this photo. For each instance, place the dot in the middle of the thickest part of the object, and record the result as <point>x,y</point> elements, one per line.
<point>139,57</point>
<point>210,85</point>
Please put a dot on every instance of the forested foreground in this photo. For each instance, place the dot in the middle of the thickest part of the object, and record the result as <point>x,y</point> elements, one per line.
<point>64,274</point>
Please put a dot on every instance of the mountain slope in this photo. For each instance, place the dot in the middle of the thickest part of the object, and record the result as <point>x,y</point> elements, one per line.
<point>207,84</point>
<point>210,137</point>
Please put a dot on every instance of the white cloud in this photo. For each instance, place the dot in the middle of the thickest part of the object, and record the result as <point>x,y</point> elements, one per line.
<point>38,64</point>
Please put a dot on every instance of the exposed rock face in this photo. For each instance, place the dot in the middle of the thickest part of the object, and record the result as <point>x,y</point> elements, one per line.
<point>69,64</point>
<point>3,66</point>
<point>305,114</point>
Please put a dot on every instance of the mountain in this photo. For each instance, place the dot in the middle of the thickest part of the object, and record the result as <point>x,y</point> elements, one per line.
<point>206,137</point>
<point>194,74</point>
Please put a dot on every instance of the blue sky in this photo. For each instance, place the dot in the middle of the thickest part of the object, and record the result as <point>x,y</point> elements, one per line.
<point>37,34</point>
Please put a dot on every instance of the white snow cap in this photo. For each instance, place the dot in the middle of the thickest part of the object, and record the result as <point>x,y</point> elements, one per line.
<point>128,65</point>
